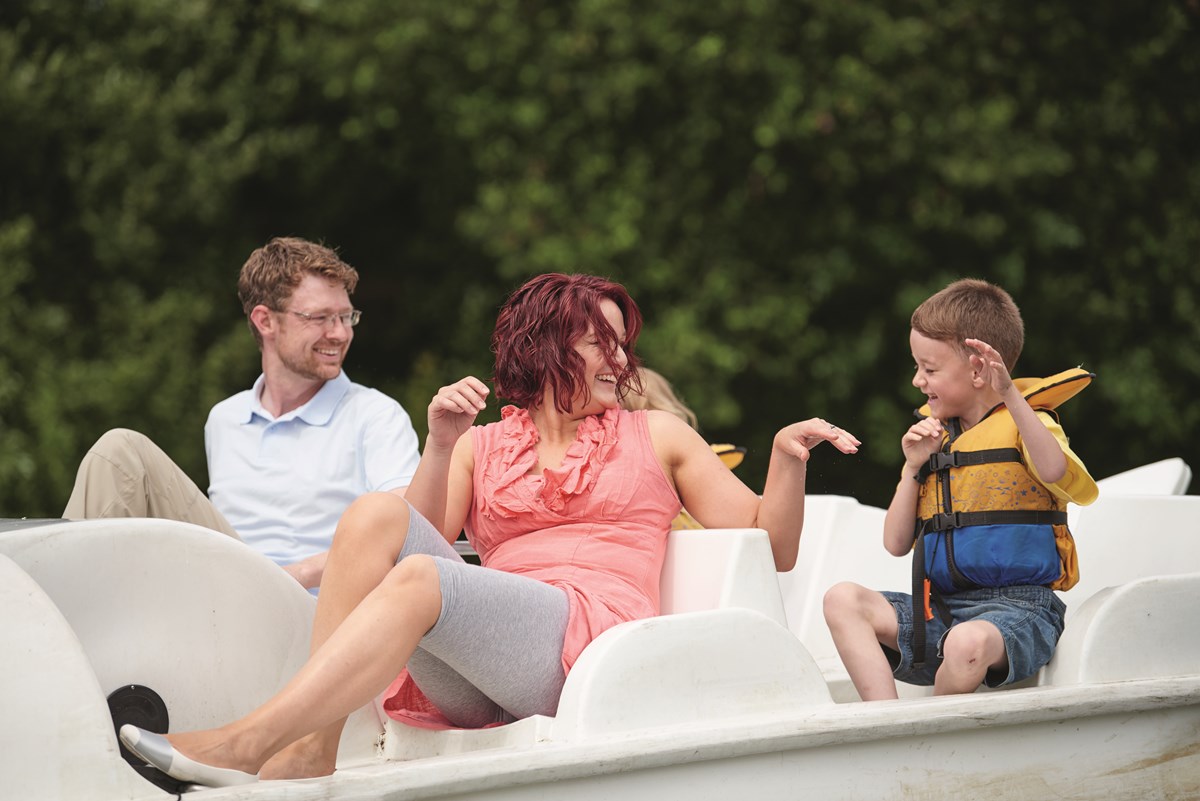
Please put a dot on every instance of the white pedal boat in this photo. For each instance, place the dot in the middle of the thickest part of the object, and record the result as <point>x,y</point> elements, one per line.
<point>717,699</point>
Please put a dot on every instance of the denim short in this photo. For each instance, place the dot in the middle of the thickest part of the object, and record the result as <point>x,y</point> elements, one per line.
<point>1029,617</point>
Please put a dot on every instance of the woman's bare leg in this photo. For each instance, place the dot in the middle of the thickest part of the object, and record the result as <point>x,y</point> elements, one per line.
<point>363,593</point>
<point>368,540</point>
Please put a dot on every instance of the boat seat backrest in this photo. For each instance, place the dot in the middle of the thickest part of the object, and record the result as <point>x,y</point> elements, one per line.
<point>842,541</point>
<point>1166,477</point>
<point>1143,629</point>
<point>1123,538</point>
<point>719,569</point>
<point>720,648</point>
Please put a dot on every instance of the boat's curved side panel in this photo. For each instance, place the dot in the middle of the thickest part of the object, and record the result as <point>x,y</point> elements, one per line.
<point>1144,629</point>
<point>207,623</point>
<point>57,740</point>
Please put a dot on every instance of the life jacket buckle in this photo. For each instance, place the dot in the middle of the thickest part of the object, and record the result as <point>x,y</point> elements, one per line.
<point>945,520</point>
<point>943,461</point>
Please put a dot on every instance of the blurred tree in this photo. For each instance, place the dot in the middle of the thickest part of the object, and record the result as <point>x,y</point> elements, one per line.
<point>778,184</point>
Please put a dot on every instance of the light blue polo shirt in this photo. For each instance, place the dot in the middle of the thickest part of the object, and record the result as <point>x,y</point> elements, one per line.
<point>282,483</point>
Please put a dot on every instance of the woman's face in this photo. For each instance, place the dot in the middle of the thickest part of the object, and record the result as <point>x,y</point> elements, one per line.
<point>599,379</point>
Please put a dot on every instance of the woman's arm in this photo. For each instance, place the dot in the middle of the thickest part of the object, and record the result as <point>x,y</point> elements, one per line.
<point>718,499</point>
<point>441,488</point>
<point>782,509</point>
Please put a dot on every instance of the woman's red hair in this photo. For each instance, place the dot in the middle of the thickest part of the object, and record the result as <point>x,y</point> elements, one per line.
<point>537,330</point>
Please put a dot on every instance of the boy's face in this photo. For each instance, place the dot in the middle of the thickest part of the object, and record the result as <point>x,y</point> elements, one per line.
<point>945,375</point>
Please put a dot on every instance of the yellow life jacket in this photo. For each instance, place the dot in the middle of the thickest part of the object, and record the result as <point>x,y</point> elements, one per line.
<point>979,479</point>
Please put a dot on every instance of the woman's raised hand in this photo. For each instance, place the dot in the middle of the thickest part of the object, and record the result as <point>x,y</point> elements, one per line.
<point>453,410</point>
<point>799,439</point>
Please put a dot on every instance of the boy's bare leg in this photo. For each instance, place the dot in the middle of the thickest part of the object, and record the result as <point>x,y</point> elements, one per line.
<point>969,651</point>
<point>859,620</point>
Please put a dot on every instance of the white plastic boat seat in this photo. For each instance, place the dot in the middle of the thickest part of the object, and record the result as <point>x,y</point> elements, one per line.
<point>720,646</point>
<point>59,741</point>
<point>845,543</point>
<point>695,668</point>
<point>402,742</point>
<point>824,516</point>
<point>1166,477</point>
<point>1123,538</point>
<point>688,668</point>
<point>210,625</point>
<point>1144,629</point>
<point>718,569</point>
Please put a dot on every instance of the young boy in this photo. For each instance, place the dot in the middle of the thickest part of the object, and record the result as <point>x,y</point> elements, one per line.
<point>987,476</point>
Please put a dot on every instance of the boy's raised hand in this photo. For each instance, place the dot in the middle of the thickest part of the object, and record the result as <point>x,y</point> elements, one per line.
<point>921,441</point>
<point>989,365</point>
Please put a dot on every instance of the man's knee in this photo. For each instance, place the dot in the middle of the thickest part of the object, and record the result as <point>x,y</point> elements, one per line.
<point>122,446</point>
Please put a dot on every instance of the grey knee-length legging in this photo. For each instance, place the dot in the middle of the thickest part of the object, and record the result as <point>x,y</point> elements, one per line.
<point>495,653</point>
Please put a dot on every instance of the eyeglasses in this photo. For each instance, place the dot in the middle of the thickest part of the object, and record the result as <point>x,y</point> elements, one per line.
<point>348,319</point>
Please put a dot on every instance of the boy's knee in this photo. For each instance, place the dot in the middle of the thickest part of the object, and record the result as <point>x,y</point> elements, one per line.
<point>971,643</point>
<point>842,599</point>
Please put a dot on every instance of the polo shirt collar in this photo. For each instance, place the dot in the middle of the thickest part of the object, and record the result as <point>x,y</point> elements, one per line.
<point>317,412</point>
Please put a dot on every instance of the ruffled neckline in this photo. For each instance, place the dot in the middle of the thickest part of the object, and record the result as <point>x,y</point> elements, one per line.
<point>511,491</point>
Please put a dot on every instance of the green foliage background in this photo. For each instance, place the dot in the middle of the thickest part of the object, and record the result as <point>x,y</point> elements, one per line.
<point>778,183</point>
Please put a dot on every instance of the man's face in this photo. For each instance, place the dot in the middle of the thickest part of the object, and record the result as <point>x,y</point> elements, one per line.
<point>307,348</point>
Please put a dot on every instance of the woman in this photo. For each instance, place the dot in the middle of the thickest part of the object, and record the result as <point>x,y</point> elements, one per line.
<point>568,501</point>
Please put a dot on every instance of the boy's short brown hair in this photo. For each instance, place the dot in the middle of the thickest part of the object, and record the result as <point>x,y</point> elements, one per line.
<point>272,273</point>
<point>973,309</point>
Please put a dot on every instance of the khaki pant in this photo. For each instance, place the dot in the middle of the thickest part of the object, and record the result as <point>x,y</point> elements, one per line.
<point>126,475</point>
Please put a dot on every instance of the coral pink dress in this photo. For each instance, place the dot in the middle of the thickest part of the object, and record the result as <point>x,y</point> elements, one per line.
<point>596,526</point>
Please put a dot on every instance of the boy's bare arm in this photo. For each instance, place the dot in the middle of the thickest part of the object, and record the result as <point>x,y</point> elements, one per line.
<point>1044,451</point>
<point>918,443</point>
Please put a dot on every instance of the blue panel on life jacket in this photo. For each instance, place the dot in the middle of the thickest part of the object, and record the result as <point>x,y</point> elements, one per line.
<point>994,556</point>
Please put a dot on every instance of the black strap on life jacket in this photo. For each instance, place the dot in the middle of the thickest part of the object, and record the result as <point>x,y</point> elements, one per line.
<point>944,460</point>
<point>922,595</point>
<point>1007,517</point>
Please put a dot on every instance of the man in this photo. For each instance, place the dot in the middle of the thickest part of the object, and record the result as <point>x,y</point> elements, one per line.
<point>287,456</point>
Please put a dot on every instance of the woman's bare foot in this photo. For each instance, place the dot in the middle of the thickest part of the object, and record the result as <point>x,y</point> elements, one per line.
<point>217,748</point>
<point>306,758</point>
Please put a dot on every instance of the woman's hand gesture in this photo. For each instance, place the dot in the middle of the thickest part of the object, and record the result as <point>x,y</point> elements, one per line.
<point>453,410</point>
<point>799,439</point>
